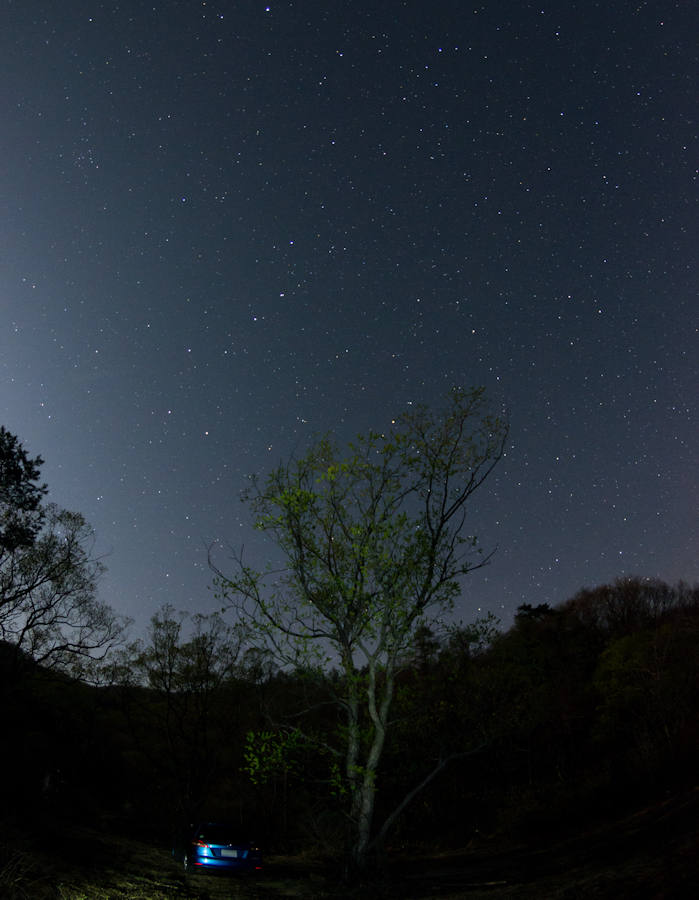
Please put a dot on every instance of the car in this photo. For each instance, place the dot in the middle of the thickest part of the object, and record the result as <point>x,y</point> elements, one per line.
<point>216,847</point>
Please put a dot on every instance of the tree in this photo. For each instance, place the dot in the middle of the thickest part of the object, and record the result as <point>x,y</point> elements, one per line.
<point>374,545</point>
<point>49,612</point>
<point>21,515</point>
<point>625,606</point>
<point>182,722</point>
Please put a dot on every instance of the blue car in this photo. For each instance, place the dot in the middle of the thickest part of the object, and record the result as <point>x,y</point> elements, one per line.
<point>217,847</point>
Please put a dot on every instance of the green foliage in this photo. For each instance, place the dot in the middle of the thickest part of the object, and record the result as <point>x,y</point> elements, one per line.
<point>374,543</point>
<point>372,539</point>
<point>271,754</point>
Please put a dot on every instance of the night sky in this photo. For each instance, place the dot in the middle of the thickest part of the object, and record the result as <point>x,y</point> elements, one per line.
<point>227,226</point>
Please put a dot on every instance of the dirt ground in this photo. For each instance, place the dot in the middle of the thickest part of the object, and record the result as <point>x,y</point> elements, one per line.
<point>652,853</point>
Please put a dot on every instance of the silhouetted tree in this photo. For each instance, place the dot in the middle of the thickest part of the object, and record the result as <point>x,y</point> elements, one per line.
<point>625,606</point>
<point>21,514</point>
<point>49,611</point>
<point>182,699</point>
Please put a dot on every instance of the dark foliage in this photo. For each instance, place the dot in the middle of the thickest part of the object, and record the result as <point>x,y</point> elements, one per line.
<point>20,495</point>
<point>50,617</point>
<point>583,704</point>
<point>575,711</point>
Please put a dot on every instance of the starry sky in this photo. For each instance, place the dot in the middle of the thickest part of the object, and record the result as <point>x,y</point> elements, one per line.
<point>226,226</point>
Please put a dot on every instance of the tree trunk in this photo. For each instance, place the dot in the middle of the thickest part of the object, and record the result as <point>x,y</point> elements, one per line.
<point>364,794</point>
<point>362,816</point>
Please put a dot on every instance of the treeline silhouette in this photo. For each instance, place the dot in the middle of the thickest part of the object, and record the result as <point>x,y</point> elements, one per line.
<point>575,710</point>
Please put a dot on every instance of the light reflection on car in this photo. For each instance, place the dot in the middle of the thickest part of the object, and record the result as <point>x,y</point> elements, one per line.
<point>216,847</point>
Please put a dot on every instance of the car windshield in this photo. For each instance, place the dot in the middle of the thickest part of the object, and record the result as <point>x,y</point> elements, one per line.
<point>220,834</point>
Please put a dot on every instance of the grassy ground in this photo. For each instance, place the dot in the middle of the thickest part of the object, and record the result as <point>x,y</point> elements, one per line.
<point>652,854</point>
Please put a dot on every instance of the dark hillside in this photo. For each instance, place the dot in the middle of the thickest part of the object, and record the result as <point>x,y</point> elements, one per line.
<point>571,746</point>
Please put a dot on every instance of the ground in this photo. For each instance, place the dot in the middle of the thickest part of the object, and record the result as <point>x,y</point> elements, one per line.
<point>650,853</point>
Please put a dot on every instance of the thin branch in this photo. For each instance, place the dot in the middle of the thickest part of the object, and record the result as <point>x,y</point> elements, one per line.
<point>378,840</point>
